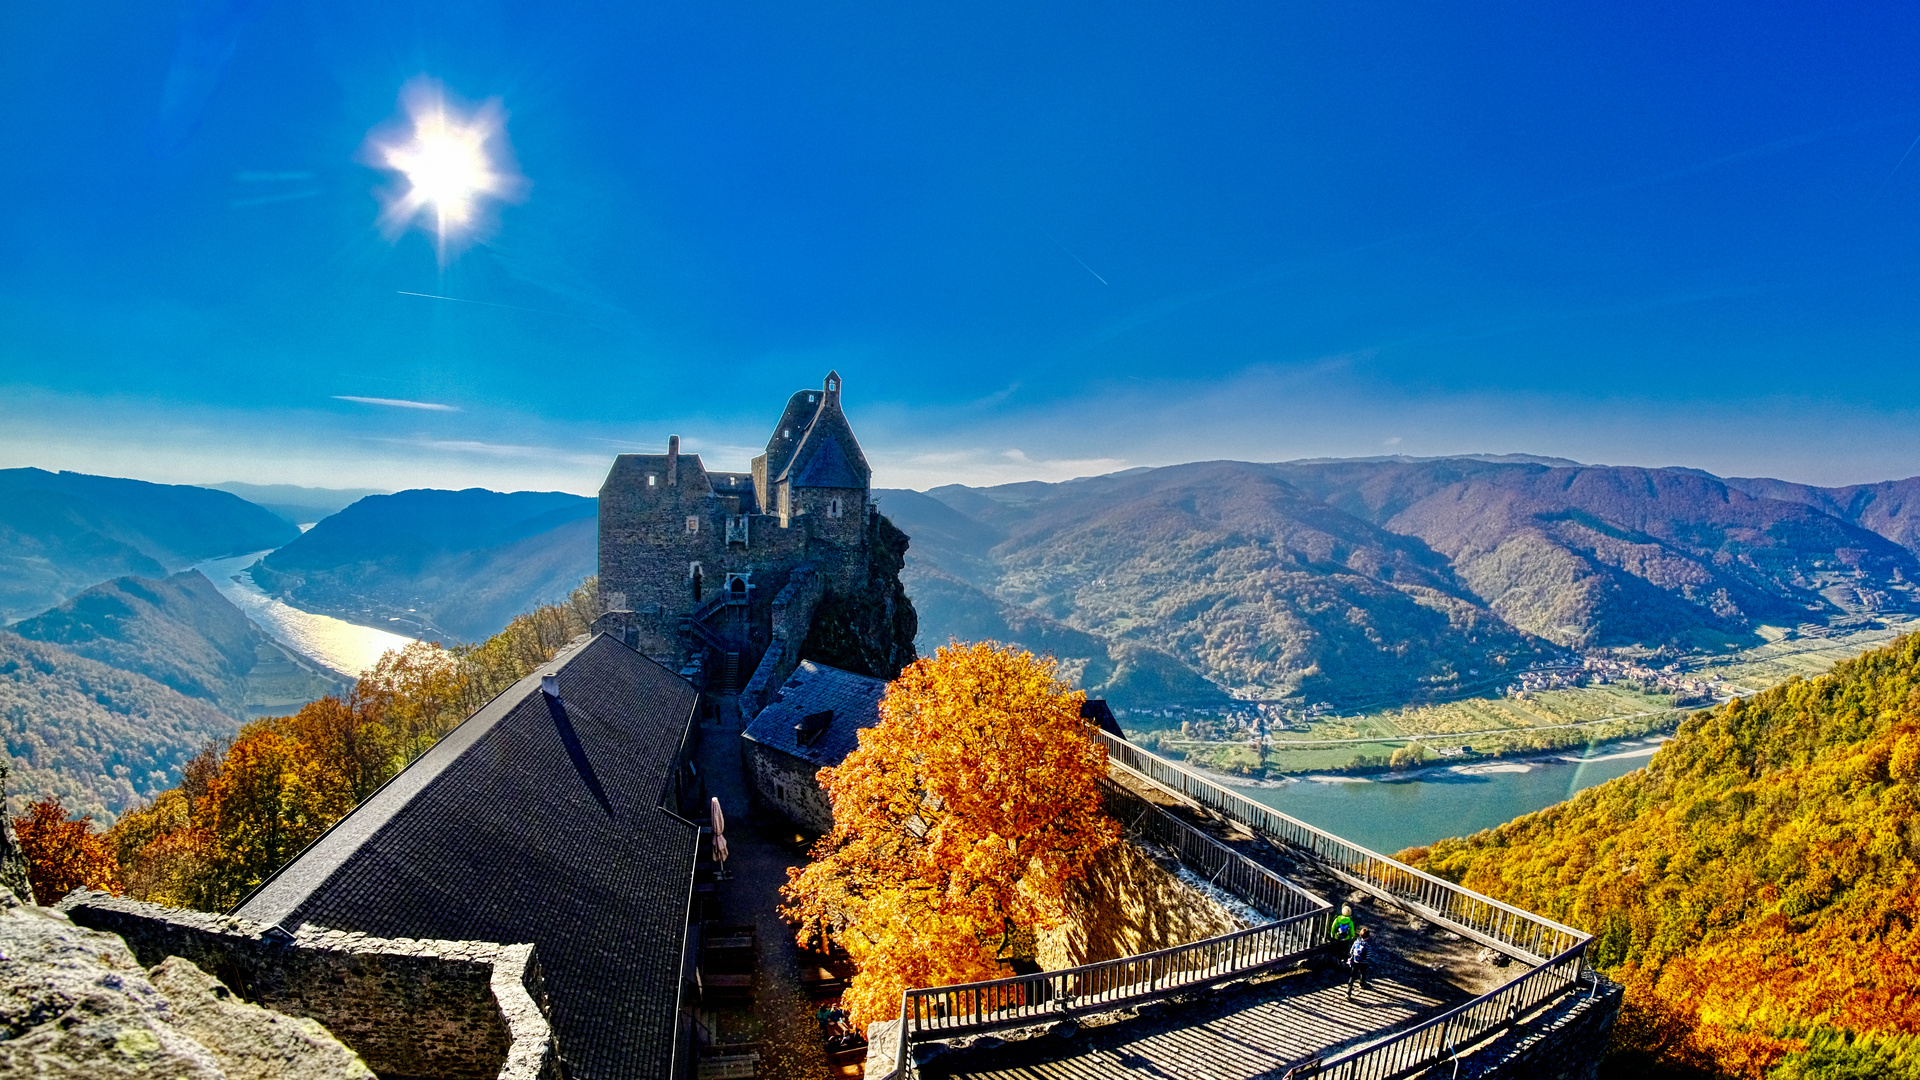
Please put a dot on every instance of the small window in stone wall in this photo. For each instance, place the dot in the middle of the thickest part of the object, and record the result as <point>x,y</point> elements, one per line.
<point>780,792</point>
<point>833,507</point>
<point>652,479</point>
<point>693,524</point>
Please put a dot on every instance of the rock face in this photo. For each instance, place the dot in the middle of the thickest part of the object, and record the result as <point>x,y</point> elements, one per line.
<point>13,861</point>
<point>75,1003</point>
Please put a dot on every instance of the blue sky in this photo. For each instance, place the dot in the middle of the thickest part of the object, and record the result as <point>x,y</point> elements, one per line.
<point>1037,240</point>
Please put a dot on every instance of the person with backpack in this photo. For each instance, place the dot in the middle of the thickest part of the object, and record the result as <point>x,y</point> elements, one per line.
<point>1357,957</point>
<point>1343,926</point>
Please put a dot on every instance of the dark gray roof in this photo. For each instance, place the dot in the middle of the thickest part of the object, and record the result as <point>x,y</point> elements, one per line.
<point>740,484</point>
<point>823,463</point>
<point>814,688</point>
<point>535,821</point>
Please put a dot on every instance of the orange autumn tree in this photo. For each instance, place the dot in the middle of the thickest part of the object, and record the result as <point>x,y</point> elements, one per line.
<point>965,814</point>
<point>64,855</point>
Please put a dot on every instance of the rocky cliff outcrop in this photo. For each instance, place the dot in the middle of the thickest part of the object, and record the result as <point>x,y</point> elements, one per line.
<point>869,632</point>
<point>75,1003</point>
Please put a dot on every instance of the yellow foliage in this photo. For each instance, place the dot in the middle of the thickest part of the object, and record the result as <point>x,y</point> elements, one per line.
<point>1757,879</point>
<point>965,813</point>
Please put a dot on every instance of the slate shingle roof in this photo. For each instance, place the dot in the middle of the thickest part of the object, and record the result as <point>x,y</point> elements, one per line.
<point>825,464</point>
<point>813,688</point>
<point>534,821</point>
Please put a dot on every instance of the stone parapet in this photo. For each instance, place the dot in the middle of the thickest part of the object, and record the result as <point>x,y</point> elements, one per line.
<point>459,1010</point>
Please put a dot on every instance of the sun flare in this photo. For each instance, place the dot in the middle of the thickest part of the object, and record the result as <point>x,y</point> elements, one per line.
<point>450,166</point>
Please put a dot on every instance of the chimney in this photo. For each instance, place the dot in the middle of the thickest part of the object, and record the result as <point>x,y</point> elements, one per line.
<point>673,460</point>
<point>550,684</point>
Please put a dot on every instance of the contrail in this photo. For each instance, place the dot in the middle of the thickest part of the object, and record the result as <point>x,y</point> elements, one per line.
<point>1077,259</point>
<point>1897,164</point>
<point>484,303</point>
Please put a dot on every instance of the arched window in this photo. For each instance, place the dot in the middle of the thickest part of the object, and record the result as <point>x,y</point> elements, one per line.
<point>833,507</point>
<point>694,575</point>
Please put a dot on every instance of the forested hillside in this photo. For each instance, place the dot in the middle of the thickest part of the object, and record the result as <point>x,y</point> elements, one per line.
<point>1606,555</point>
<point>1755,886</point>
<point>1357,580</point>
<point>448,565</point>
<point>178,631</point>
<point>99,738</point>
<point>1890,508</point>
<point>62,532</point>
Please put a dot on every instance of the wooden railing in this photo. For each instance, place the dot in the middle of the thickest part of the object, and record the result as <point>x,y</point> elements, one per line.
<point>1456,1033</point>
<point>1509,929</point>
<point>1024,1000</point>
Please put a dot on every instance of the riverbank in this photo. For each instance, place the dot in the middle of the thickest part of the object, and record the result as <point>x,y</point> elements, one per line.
<point>1393,811</point>
<point>341,646</point>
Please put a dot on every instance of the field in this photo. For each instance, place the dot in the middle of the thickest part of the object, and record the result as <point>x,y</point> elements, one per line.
<point>1790,653</point>
<point>1573,717</point>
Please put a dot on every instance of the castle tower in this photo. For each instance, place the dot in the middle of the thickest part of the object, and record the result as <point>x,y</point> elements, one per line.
<point>721,573</point>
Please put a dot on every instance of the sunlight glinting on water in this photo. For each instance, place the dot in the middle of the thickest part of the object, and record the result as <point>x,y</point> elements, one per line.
<point>343,646</point>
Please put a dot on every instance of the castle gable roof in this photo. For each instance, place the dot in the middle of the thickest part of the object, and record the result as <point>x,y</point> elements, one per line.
<point>630,471</point>
<point>535,820</point>
<point>823,463</point>
<point>854,701</point>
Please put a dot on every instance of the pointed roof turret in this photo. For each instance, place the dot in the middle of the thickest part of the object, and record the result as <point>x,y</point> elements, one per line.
<point>819,450</point>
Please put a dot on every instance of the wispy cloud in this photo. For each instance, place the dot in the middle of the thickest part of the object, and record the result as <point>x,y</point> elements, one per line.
<point>396,403</point>
<point>478,448</point>
<point>982,467</point>
<point>264,200</point>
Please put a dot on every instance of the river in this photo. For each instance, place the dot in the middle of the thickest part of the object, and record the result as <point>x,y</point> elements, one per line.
<point>1388,814</point>
<point>345,647</point>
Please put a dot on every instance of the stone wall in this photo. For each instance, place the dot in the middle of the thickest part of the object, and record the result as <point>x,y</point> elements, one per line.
<point>1566,1043</point>
<point>791,616</point>
<point>460,1010</point>
<point>1131,902</point>
<point>787,784</point>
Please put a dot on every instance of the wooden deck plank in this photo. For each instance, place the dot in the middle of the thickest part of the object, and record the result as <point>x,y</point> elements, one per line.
<point>1235,1036</point>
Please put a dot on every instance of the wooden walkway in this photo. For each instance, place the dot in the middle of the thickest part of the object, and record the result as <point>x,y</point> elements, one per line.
<point>1257,1031</point>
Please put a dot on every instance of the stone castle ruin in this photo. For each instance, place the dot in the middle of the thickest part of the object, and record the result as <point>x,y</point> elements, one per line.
<point>732,578</point>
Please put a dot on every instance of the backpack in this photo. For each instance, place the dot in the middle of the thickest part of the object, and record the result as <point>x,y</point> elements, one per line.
<point>1358,954</point>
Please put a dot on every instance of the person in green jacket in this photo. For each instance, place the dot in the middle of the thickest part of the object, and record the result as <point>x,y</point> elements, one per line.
<point>1343,929</point>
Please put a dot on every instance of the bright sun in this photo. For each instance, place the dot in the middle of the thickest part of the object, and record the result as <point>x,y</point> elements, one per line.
<point>450,164</point>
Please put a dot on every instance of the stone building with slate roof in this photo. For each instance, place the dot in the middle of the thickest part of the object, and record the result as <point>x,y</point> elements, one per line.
<point>812,723</point>
<point>723,576</point>
<point>551,816</point>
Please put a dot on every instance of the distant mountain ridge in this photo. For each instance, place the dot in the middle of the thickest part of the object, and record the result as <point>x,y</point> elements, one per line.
<point>450,565</point>
<point>298,505</point>
<point>63,532</point>
<point>1348,579</point>
<point>1340,580</point>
